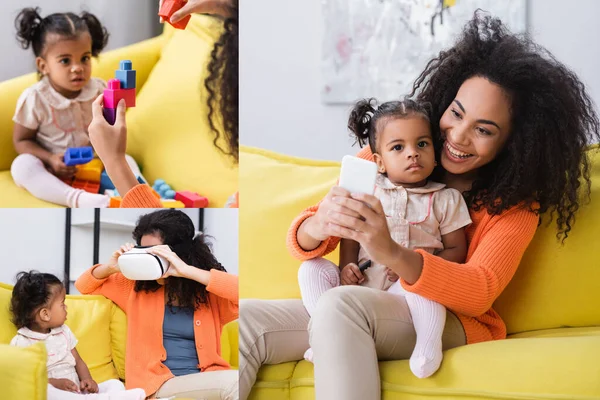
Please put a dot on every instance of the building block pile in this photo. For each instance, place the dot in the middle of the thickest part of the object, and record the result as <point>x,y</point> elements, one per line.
<point>169,7</point>
<point>92,177</point>
<point>121,87</point>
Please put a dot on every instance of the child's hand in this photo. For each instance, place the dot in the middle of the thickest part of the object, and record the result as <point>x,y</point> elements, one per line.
<point>59,168</point>
<point>391,275</point>
<point>114,258</point>
<point>64,384</point>
<point>351,275</point>
<point>89,386</point>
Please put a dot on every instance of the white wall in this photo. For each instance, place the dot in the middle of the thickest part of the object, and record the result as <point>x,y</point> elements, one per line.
<point>35,238</point>
<point>127,22</point>
<point>31,239</point>
<point>280,104</point>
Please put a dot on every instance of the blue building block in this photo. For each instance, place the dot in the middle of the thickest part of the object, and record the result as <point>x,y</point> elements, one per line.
<point>105,182</point>
<point>163,189</point>
<point>140,180</point>
<point>78,156</point>
<point>126,75</point>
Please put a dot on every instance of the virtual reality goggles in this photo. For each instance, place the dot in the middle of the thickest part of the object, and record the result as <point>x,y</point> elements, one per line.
<point>139,265</point>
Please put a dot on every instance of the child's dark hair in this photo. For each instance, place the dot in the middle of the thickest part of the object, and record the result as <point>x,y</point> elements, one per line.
<point>32,291</point>
<point>177,230</point>
<point>32,29</point>
<point>367,119</point>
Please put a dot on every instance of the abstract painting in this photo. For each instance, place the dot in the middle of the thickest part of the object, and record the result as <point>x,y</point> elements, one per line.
<point>377,48</point>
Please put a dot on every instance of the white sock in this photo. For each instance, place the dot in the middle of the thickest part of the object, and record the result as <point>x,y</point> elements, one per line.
<point>315,277</point>
<point>29,172</point>
<point>308,354</point>
<point>85,199</point>
<point>429,319</point>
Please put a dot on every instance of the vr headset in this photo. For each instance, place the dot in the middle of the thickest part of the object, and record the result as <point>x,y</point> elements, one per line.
<point>139,265</point>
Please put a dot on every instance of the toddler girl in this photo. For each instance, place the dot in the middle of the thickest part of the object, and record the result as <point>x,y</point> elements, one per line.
<point>420,214</point>
<point>39,313</point>
<point>54,114</point>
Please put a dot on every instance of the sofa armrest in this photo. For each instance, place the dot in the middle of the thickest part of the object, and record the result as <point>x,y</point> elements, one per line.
<point>23,372</point>
<point>230,344</point>
<point>144,56</point>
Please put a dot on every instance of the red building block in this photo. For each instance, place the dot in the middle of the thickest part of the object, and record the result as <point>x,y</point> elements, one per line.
<point>168,8</point>
<point>113,94</point>
<point>91,187</point>
<point>191,200</point>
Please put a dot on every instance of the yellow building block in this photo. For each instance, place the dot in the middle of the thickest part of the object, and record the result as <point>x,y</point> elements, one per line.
<point>90,171</point>
<point>172,203</point>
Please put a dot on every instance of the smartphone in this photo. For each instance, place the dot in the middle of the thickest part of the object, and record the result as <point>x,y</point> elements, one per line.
<point>358,175</point>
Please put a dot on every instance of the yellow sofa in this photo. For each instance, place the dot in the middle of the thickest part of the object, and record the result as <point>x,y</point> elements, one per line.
<point>551,307</point>
<point>101,329</point>
<point>168,131</point>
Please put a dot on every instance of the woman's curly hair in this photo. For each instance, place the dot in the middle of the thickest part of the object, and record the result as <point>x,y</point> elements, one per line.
<point>543,164</point>
<point>177,230</point>
<point>222,84</point>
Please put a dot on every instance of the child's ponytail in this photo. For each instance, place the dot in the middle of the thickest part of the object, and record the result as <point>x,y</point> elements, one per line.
<point>98,32</point>
<point>28,24</point>
<point>359,122</point>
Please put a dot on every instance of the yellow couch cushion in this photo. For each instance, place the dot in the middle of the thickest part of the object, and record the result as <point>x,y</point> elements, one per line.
<point>273,190</point>
<point>543,366</point>
<point>168,132</point>
<point>230,344</point>
<point>557,285</point>
<point>89,318</point>
<point>23,372</point>
<point>14,196</point>
<point>118,338</point>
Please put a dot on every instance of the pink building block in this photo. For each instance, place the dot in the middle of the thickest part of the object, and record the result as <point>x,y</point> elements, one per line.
<point>113,94</point>
<point>191,200</point>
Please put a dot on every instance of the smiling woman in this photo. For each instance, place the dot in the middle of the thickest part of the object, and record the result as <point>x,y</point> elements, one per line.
<point>509,125</point>
<point>474,131</point>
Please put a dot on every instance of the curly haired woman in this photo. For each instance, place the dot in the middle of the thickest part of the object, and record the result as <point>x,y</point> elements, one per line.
<point>175,322</point>
<point>510,126</point>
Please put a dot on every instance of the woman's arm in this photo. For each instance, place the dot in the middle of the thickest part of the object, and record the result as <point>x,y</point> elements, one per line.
<point>309,235</point>
<point>223,285</point>
<point>110,284</point>
<point>106,280</point>
<point>110,142</point>
<point>471,288</point>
